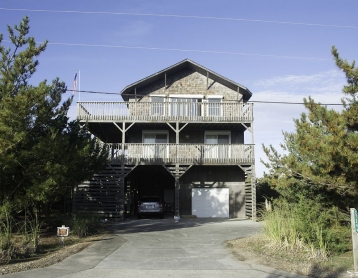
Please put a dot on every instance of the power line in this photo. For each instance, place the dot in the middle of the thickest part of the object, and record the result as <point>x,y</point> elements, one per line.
<point>184,50</point>
<point>187,16</point>
<point>94,92</point>
<point>287,102</point>
<point>253,101</point>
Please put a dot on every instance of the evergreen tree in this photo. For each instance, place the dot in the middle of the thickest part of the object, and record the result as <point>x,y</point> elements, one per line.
<point>43,154</point>
<point>321,156</point>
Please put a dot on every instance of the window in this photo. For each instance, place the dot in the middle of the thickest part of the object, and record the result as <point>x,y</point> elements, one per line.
<point>217,139</point>
<point>155,144</point>
<point>214,107</point>
<point>185,105</point>
<point>157,106</point>
<point>155,138</point>
<point>218,144</point>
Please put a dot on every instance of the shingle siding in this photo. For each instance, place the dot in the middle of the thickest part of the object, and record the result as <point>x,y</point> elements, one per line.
<point>186,82</point>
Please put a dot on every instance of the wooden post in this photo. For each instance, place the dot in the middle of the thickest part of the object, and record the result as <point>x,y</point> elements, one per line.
<point>112,152</point>
<point>177,133</point>
<point>177,191</point>
<point>123,137</point>
<point>177,184</point>
<point>253,193</point>
<point>354,225</point>
<point>135,101</point>
<point>121,181</point>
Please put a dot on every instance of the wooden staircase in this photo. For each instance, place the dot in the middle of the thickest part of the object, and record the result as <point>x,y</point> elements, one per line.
<point>103,194</point>
<point>250,192</point>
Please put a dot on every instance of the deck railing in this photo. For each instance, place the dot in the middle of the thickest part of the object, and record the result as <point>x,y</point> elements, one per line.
<point>165,111</point>
<point>201,154</point>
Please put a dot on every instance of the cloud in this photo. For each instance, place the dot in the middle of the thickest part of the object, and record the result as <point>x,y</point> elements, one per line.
<point>271,119</point>
<point>295,80</point>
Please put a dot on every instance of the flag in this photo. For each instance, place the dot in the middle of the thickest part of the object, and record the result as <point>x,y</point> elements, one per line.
<point>74,84</point>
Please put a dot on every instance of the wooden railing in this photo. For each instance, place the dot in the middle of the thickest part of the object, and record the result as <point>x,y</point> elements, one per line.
<point>200,154</point>
<point>165,111</point>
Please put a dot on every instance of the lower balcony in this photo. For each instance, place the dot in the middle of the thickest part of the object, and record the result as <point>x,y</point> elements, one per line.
<point>197,154</point>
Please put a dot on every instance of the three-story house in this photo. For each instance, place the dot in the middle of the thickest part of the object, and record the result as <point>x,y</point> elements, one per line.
<point>178,134</point>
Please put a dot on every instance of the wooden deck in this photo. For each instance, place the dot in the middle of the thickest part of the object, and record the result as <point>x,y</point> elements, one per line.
<point>165,112</point>
<point>196,154</point>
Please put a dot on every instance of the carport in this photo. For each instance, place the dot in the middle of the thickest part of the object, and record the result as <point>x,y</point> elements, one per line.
<point>149,180</point>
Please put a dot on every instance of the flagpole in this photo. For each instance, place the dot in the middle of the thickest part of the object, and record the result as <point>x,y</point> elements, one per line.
<point>79,85</point>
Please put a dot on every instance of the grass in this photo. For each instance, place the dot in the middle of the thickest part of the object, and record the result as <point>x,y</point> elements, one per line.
<point>50,252</point>
<point>262,250</point>
<point>303,237</point>
<point>84,229</point>
<point>48,243</point>
<point>308,226</point>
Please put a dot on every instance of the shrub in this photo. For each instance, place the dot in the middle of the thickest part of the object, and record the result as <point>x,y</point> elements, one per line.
<point>84,223</point>
<point>307,224</point>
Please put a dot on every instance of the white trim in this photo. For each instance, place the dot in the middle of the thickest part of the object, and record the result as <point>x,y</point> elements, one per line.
<point>215,96</point>
<point>187,96</point>
<point>158,96</point>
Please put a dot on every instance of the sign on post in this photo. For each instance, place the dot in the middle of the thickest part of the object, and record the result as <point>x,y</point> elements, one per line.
<point>354,225</point>
<point>62,232</point>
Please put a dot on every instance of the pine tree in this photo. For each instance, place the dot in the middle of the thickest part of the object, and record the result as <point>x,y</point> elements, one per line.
<point>321,156</point>
<point>42,153</point>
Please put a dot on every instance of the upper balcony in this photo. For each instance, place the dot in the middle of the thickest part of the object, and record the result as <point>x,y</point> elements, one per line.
<point>229,112</point>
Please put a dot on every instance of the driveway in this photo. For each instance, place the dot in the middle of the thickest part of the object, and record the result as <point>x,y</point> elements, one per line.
<point>163,248</point>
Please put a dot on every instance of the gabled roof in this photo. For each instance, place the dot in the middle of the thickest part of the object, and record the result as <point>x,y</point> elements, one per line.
<point>181,65</point>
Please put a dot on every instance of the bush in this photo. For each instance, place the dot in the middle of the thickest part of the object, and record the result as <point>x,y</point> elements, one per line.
<point>6,226</point>
<point>307,223</point>
<point>84,223</point>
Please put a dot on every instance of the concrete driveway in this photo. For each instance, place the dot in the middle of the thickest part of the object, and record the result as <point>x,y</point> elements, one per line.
<point>163,248</point>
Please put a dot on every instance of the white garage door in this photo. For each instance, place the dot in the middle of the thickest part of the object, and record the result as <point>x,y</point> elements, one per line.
<point>210,202</point>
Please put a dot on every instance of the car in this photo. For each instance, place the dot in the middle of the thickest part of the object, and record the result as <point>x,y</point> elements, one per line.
<point>150,205</point>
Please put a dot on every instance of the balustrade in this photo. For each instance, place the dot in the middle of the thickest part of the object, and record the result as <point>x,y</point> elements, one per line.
<point>165,111</point>
<point>200,154</point>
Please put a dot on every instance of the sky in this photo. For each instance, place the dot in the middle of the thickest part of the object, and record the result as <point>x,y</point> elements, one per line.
<point>279,49</point>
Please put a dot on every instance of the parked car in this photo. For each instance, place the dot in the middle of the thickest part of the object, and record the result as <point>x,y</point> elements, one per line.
<point>150,205</point>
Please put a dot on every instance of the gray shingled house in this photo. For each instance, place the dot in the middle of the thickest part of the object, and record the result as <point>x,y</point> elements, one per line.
<point>177,134</point>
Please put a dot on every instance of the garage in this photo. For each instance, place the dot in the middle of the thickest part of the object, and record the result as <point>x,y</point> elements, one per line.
<point>210,202</point>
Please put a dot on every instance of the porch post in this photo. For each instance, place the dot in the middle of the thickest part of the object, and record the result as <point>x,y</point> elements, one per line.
<point>253,178</point>
<point>177,184</point>
<point>121,182</point>
<point>177,191</point>
<point>123,136</point>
